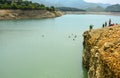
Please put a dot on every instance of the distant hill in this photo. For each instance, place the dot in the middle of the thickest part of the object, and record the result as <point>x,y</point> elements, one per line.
<point>69,9</point>
<point>96,9</point>
<point>71,3</point>
<point>113,8</point>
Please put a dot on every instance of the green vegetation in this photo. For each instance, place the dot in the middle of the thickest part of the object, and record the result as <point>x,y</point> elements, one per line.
<point>113,8</point>
<point>23,5</point>
<point>91,27</point>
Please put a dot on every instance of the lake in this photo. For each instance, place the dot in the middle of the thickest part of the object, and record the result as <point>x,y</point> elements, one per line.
<point>46,48</point>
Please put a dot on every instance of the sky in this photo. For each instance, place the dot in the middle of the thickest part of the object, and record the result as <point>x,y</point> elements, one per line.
<point>104,1</point>
<point>93,1</point>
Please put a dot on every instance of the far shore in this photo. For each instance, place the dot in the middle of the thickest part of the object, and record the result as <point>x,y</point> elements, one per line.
<point>98,13</point>
<point>28,14</point>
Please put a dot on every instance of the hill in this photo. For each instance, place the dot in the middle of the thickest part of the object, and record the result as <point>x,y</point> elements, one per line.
<point>69,9</point>
<point>24,5</point>
<point>113,8</point>
<point>81,4</point>
<point>96,9</point>
<point>11,9</point>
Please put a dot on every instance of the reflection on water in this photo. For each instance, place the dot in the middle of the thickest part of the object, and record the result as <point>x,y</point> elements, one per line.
<point>45,48</point>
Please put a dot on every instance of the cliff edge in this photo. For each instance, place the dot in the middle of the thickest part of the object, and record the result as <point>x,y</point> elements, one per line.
<point>26,14</point>
<point>102,52</point>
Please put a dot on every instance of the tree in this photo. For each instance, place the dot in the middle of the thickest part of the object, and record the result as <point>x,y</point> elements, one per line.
<point>52,8</point>
<point>14,6</point>
<point>91,27</point>
<point>24,5</point>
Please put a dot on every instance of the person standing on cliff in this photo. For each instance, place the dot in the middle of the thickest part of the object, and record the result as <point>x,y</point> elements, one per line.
<point>109,22</point>
<point>105,23</point>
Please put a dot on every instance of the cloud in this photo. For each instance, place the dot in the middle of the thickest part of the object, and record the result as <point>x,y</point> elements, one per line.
<point>104,1</point>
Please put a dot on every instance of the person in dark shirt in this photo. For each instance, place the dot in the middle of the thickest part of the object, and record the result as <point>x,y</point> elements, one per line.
<point>109,22</point>
<point>105,24</point>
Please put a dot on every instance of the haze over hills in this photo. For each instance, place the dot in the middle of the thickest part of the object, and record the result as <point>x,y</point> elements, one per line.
<point>113,8</point>
<point>71,3</point>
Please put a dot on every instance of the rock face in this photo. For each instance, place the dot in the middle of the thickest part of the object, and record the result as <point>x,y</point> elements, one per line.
<point>26,14</point>
<point>102,52</point>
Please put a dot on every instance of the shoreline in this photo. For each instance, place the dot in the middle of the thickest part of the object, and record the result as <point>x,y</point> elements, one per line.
<point>97,13</point>
<point>6,14</point>
<point>28,14</point>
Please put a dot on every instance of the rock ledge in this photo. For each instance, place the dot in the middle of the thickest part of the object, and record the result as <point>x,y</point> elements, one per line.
<point>102,52</point>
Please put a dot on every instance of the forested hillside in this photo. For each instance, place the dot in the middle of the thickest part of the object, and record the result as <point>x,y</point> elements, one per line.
<point>24,5</point>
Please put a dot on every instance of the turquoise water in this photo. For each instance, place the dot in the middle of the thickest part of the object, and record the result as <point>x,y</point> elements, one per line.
<point>45,48</point>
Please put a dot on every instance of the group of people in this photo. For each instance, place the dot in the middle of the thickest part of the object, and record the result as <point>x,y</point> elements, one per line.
<point>104,25</point>
<point>108,24</point>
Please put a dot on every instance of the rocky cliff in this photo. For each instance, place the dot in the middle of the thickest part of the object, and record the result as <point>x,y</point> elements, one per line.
<point>102,52</point>
<point>26,14</point>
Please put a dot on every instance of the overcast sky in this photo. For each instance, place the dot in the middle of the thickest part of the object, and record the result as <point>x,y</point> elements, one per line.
<point>104,1</point>
<point>94,1</point>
